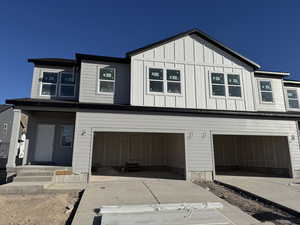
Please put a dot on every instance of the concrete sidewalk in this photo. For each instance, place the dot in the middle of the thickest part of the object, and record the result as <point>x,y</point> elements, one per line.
<point>150,192</point>
<point>281,191</point>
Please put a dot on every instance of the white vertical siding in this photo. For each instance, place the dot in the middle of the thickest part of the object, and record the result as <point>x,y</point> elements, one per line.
<point>89,75</point>
<point>196,59</point>
<point>197,130</point>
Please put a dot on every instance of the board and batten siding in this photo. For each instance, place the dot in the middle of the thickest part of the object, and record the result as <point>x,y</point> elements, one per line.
<point>196,59</point>
<point>37,82</point>
<point>198,134</point>
<point>278,103</point>
<point>89,83</point>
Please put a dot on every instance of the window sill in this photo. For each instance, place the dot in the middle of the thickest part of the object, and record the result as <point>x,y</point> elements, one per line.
<point>106,93</point>
<point>164,94</point>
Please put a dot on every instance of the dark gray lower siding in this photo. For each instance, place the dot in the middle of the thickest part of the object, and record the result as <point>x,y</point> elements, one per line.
<point>60,156</point>
<point>198,132</point>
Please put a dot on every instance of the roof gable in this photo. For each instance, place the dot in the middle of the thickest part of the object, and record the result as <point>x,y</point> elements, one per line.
<point>200,34</point>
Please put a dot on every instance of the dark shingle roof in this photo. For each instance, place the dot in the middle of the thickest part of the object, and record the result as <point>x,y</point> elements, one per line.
<point>202,35</point>
<point>53,61</point>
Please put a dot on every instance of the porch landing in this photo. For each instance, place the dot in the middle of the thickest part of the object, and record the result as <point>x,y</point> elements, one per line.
<point>35,179</point>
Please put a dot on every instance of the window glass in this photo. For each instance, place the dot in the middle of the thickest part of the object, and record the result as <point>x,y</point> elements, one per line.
<point>234,85</point>
<point>217,78</point>
<point>49,77</point>
<point>218,85</point>
<point>107,73</point>
<point>293,99</point>
<point>174,87</point>
<point>294,104</point>
<point>67,78</point>
<point>267,96</point>
<point>233,79</point>
<point>156,86</point>
<point>266,91</point>
<point>67,136</point>
<point>173,75</point>
<point>218,90</point>
<point>106,86</point>
<point>67,91</point>
<point>49,89</point>
<point>5,127</point>
<point>265,86</point>
<point>156,74</point>
<point>292,94</point>
<point>234,91</point>
<point>107,80</point>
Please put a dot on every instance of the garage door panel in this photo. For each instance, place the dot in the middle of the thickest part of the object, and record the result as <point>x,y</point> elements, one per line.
<point>250,152</point>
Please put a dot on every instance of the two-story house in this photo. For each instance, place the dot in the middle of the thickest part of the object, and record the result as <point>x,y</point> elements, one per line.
<point>186,104</point>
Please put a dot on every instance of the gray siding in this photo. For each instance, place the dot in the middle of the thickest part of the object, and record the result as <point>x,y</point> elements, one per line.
<point>89,83</point>
<point>38,75</point>
<point>5,117</point>
<point>198,134</point>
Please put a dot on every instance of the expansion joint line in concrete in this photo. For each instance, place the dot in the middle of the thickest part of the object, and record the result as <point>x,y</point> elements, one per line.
<point>151,192</point>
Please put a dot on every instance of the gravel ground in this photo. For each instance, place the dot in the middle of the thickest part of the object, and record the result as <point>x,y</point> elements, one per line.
<point>259,210</point>
<point>43,209</point>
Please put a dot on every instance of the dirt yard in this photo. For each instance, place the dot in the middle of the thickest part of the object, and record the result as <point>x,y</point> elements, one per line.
<point>258,210</point>
<point>43,209</point>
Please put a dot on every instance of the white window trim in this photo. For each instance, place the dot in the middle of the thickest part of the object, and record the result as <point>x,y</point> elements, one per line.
<point>164,81</point>
<point>226,85</point>
<point>56,84</point>
<point>259,92</point>
<point>61,84</point>
<point>61,135</point>
<point>287,98</point>
<point>99,81</point>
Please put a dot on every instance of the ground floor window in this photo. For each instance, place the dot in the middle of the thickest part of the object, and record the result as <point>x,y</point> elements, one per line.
<point>67,132</point>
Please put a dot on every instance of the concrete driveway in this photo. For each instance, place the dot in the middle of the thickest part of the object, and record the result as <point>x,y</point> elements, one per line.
<point>282,191</point>
<point>143,192</point>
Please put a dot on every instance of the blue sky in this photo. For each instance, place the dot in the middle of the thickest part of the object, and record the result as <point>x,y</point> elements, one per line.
<point>266,31</point>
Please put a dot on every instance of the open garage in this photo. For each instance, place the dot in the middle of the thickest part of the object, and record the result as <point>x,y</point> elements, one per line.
<point>132,154</point>
<point>252,155</point>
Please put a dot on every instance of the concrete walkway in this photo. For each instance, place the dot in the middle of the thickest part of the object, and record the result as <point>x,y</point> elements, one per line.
<point>282,191</point>
<point>150,192</point>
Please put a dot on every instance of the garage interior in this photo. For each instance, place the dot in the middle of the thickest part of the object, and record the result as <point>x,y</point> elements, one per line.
<point>139,155</point>
<point>252,155</point>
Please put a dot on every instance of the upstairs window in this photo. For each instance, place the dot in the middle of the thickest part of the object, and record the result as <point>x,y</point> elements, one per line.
<point>218,84</point>
<point>107,80</point>
<point>266,91</point>
<point>156,80</point>
<point>234,85</point>
<point>292,99</point>
<point>173,81</point>
<point>49,84</point>
<point>67,85</point>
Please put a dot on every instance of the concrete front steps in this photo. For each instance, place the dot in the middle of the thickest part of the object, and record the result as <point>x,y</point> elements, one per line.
<point>31,179</point>
<point>36,173</point>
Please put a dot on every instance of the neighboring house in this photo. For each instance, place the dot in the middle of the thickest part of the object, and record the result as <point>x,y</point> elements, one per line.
<point>187,104</point>
<point>6,118</point>
<point>6,121</point>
